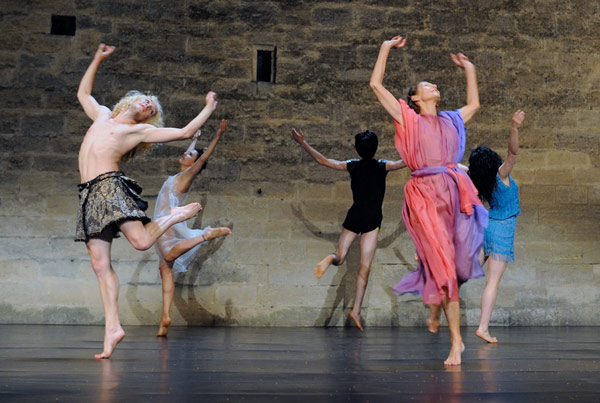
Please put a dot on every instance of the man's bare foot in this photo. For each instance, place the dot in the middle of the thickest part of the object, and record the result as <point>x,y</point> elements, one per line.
<point>186,212</point>
<point>433,325</point>
<point>163,327</point>
<point>322,266</point>
<point>356,320</point>
<point>485,335</point>
<point>454,358</point>
<point>111,339</point>
<point>212,233</point>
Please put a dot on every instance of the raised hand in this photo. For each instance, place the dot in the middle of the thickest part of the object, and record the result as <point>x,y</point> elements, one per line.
<point>211,99</point>
<point>461,60</point>
<point>396,42</point>
<point>103,52</point>
<point>518,118</point>
<point>298,135</point>
<point>222,127</point>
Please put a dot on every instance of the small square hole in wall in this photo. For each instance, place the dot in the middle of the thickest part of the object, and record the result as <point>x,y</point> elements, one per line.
<point>264,63</point>
<point>63,25</point>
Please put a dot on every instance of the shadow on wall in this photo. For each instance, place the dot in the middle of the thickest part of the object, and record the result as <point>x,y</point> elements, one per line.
<point>389,290</point>
<point>189,308</point>
<point>344,292</point>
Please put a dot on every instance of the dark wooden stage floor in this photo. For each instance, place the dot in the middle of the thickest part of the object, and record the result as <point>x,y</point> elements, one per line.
<point>532,364</point>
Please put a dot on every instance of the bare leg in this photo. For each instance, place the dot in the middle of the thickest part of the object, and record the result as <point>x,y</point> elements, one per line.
<point>452,311</point>
<point>142,237</point>
<point>488,298</point>
<point>337,258</point>
<point>168,290</point>
<point>368,245</point>
<point>166,272</point>
<point>182,247</point>
<point>99,250</point>
<point>433,321</point>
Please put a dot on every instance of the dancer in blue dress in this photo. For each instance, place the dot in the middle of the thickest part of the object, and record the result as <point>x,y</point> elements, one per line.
<point>492,178</point>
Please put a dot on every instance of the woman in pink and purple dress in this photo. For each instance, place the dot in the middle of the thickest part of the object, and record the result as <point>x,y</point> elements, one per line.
<point>443,215</point>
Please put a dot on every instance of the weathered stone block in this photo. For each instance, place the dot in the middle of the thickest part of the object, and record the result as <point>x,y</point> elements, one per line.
<point>567,160</point>
<point>537,194</point>
<point>337,17</point>
<point>554,176</point>
<point>260,15</point>
<point>572,194</point>
<point>12,41</point>
<point>236,295</point>
<point>50,125</point>
<point>19,270</point>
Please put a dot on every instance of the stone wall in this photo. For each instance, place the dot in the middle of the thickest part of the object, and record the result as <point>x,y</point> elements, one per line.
<point>285,210</point>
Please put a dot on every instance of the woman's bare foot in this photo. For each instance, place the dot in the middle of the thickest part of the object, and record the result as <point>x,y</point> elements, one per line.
<point>356,320</point>
<point>454,358</point>
<point>186,212</point>
<point>111,339</point>
<point>163,327</point>
<point>485,335</point>
<point>322,266</point>
<point>433,325</point>
<point>212,233</point>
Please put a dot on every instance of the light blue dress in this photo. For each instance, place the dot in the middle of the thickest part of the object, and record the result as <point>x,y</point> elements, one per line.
<point>499,238</point>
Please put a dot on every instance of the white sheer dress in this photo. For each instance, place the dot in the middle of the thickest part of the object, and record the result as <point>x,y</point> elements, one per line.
<point>169,197</point>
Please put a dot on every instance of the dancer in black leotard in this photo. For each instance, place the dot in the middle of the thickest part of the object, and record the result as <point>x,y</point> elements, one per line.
<point>364,217</point>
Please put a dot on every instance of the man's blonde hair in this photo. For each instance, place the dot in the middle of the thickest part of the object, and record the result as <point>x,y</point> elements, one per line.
<point>156,120</point>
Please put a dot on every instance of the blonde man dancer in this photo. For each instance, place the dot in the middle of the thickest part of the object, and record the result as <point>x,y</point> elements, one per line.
<point>108,201</point>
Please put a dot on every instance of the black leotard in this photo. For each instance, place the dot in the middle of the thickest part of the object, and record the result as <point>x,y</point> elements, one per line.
<point>367,180</point>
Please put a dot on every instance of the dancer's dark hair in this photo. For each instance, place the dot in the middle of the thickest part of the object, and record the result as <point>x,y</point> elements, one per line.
<point>409,93</point>
<point>366,144</point>
<point>483,167</point>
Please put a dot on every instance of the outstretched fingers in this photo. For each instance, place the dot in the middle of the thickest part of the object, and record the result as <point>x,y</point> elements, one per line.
<point>397,42</point>
<point>104,51</point>
<point>297,135</point>
<point>518,118</point>
<point>460,60</point>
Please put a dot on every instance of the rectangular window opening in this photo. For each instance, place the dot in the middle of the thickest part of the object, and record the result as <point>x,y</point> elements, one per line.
<point>265,63</point>
<point>63,25</point>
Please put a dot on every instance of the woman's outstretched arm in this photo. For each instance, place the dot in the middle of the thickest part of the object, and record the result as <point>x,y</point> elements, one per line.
<point>513,145</point>
<point>188,176</point>
<point>472,105</point>
<point>320,158</point>
<point>387,100</point>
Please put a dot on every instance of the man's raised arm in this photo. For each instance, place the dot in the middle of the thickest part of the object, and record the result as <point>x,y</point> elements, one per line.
<point>84,94</point>
<point>151,134</point>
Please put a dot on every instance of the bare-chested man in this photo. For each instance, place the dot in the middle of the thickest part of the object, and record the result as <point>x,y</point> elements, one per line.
<point>108,201</point>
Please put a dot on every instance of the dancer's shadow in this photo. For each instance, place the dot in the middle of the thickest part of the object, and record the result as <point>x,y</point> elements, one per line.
<point>143,314</point>
<point>345,279</point>
<point>389,290</point>
<point>189,307</point>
